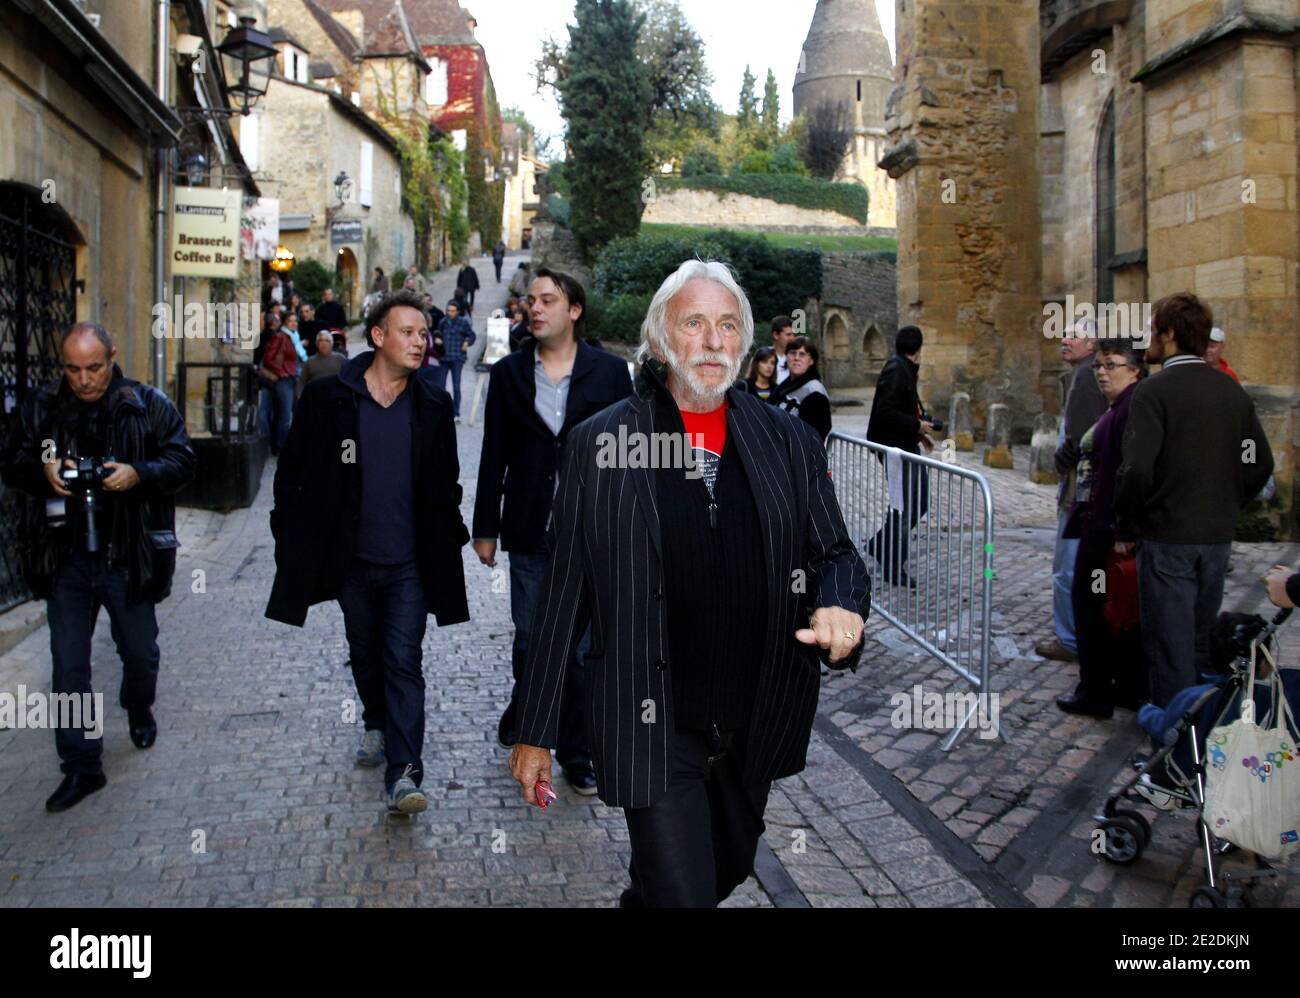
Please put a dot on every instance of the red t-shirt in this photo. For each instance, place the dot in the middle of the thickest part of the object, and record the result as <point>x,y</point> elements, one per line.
<point>708,435</point>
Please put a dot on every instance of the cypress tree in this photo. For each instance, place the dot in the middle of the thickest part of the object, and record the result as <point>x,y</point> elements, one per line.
<point>603,100</point>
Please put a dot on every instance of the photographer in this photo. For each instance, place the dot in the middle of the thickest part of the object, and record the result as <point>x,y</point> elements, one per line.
<point>100,456</point>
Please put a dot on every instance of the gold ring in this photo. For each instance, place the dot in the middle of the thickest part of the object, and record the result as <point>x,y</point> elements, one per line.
<point>850,635</point>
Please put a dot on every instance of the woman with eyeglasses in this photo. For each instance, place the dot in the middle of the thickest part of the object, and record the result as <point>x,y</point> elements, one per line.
<point>1112,671</point>
<point>762,374</point>
<point>802,394</point>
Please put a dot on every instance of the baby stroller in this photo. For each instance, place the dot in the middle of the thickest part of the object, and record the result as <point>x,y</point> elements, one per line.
<point>1173,776</point>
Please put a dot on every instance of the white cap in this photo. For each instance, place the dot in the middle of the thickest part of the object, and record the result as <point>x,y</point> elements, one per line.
<point>1217,335</point>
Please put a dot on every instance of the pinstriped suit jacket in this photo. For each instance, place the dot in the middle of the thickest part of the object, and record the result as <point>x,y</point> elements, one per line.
<point>606,568</point>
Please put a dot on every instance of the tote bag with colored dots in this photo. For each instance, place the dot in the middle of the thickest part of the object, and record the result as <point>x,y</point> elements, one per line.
<point>1252,795</point>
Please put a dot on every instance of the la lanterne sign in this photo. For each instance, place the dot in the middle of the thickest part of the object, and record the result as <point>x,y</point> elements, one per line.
<point>205,232</point>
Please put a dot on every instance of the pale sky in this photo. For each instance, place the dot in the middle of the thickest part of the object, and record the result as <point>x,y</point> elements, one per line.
<point>761,33</point>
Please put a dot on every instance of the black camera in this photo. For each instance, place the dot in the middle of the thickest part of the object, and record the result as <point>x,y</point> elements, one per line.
<point>86,482</point>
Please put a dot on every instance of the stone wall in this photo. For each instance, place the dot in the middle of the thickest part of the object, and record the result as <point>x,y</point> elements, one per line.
<point>722,209</point>
<point>964,131</point>
<point>855,319</point>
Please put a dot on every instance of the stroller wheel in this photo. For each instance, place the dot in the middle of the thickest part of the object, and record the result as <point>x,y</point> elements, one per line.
<point>1207,897</point>
<point>1143,825</point>
<point>1122,840</point>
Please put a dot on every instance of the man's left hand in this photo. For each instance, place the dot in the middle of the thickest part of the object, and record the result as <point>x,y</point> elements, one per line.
<point>123,477</point>
<point>1275,581</point>
<point>834,628</point>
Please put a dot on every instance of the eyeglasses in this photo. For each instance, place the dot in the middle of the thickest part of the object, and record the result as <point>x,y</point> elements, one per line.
<point>1109,365</point>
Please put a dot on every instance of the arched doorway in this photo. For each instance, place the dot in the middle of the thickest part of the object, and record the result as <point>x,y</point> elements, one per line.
<point>38,302</point>
<point>346,282</point>
<point>836,338</point>
<point>873,347</point>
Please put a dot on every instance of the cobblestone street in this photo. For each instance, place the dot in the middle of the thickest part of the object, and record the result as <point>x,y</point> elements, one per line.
<point>250,796</point>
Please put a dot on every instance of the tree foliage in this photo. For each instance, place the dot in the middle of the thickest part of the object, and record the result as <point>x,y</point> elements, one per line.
<point>747,111</point>
<point>827,134</point>
<point>771,110</point>
<point>603,99</point>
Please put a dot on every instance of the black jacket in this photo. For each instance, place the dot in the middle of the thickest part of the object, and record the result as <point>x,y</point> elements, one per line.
<point>521,456</point>
<point>330,315</point>
<point>606,568</point>
<point>467,279</point>
<point>805,396</point>
<point>318,498</point>
<point>894,419</point>
<point>1194,454</point>
<point>145,431</point>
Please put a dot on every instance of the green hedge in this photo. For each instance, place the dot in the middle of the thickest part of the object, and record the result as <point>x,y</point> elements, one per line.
<point>616,318</point>
<point>804,192</point>
<point>776,280</point>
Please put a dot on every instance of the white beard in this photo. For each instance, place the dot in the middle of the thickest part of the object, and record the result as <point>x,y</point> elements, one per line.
<point>703,397</point>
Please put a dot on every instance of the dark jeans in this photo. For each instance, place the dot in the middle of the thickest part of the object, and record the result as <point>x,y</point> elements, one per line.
<point>892,541</point>
<point>83,584</point>
<point>440,375</point>
<point>1112,669</point>
<point>695,845</point>
<point>384,617</point>
<point>526,573</point>
<point>1180,589</point>
<point>454,368</point>
<point>275,412</point>
<point>497,265</point>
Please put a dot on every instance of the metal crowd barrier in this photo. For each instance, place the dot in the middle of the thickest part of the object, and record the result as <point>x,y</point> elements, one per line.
<point>948,513</point>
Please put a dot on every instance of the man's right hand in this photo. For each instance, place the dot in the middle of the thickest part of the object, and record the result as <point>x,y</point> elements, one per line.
<point>486,549</point>
<point>52,476</point>
<point>528,765</point>
<point>927,428</point>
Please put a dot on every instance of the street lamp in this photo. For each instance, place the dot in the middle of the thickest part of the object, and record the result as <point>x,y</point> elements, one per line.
<point>283,260</point>
<point>342,188</point>
<point>243,46</point>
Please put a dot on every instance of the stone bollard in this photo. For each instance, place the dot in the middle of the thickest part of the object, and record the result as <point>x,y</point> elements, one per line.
<point>959,428</point>
<point>998,453</point>
<point>1042,450</point>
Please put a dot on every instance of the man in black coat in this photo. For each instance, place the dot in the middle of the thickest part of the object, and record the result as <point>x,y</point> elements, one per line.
<point>375,447</point>
<point>467,281</point>
<point>710,572</point>
<point>96,414</point>
<point>896,420</point>
<point>535,397</point>
<point>1194,455</point>
<point>330,313</point>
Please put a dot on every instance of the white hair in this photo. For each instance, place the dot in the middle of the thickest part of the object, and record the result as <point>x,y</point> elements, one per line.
<point>654,329</point>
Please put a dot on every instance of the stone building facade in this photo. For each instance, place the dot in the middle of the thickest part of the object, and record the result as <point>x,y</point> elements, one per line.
<point>1100,151</point>
<point>855,319</point>
<point>845,60</point>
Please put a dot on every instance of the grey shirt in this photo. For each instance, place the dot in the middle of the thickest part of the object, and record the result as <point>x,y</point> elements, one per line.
<point>551,398</point>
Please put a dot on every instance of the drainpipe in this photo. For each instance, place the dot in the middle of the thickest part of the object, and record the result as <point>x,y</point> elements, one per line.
<point>162,190</point>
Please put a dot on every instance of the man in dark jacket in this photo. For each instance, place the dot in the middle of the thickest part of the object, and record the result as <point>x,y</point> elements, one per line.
<point>330,313</point>
<point>1083,406</point>
<point>896,421</point>
<point>376,447</point>
<point>467,281</point>
<point>499,257</point>
<point>709,583</point>
<point>535,397</point>
<point>1194,455</point>
<point>125,564</point>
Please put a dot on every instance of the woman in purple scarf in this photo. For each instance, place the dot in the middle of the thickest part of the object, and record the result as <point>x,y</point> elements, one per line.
<point>1112,672</point>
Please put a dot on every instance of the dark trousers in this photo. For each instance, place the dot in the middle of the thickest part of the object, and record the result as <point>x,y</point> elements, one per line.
<point>892,541</point>
<point>440,375</point>
<point>454,368</point>
<point>384,617</point>
<point>1180,589</point>
<point>497,265</point>
<point>527,569</point>
<point>83,584</point>
<point>695,845</point>
<point>1112,669</point>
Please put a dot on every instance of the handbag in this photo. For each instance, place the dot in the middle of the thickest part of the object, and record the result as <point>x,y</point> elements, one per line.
<point>1121,609</point>
<point>1252,795</point>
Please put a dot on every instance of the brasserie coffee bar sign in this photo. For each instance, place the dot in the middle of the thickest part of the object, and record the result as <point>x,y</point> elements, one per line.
<point>205,232</point>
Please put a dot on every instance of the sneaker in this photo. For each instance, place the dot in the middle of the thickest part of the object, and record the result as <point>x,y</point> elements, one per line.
<point>370,750</point>
<point>1053,649</point>
<point>1151,792</point>
<point>405,797</point>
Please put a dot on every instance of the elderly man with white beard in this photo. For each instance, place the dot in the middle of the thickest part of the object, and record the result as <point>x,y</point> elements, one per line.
<point>712,588</point>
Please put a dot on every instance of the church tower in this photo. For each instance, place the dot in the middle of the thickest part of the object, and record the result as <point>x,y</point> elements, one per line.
<point>846,60</point>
